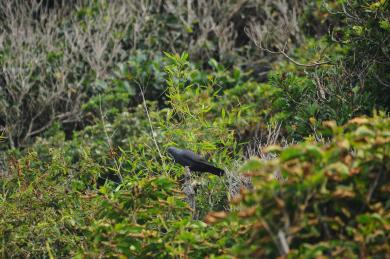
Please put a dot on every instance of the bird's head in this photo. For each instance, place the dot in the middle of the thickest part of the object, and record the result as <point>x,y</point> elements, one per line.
<point>172,151</point>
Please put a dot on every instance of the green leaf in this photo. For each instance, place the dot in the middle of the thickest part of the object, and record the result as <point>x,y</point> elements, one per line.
<point>384,24</point>
<point>251,165</point>
<point>367,218</point>
<point>338,167</point>
<point>291,153</point>
<point>358,30</point>
<point>184,56</point>
<point>363,131</point>
<point>315,151</point>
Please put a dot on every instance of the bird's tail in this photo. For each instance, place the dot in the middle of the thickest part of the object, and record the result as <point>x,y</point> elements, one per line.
<point>217,171</point>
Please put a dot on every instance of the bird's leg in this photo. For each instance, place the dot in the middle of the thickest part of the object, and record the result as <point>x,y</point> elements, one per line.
<point>189,191</point>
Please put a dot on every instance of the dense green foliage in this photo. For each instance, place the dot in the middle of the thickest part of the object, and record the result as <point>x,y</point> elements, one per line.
<point>291,99</point>
<point>334,201</point>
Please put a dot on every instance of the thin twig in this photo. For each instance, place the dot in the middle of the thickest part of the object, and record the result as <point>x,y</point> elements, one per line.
<point>382,82</point>
<point>373,186</point>
<point>109,142</point>
<point>252,35</point>
<point>150,123</point>
<point>274,239</point>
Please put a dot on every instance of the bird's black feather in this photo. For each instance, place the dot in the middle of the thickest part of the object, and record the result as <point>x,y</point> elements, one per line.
<point>193,161</point>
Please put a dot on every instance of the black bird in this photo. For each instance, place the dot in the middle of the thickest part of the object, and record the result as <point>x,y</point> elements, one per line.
<point>193,161</point>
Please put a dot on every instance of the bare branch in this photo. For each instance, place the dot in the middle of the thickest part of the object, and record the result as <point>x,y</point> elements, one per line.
<point>283,242</point>
<point>281,51</point>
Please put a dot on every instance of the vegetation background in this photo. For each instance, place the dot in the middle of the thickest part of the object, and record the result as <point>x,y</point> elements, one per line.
<point>291,98</point>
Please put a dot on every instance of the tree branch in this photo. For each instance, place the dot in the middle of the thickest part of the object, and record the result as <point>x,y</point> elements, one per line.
<point>252,35</point>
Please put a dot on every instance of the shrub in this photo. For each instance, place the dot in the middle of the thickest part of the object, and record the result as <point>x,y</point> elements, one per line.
<point>302,103</point>
<point>335,76</point>
<point>334,200</point>
<point>365,33</point>
<point>57,57</point>
<point>41,211</point>
<point>146,218</point>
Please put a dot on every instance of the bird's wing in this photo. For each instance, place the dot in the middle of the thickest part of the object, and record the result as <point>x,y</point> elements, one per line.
<point>191,156</point>
<point>198,163</point>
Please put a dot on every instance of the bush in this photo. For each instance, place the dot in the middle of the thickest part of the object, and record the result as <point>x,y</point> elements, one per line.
<point>366,33</point>
<point>89,106</point>
<point>334,200</point>
<point>335,75</point>
<point>57,57</point>
<point>302,103</point>
<point>146,218</point>
<point>41,211</point>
